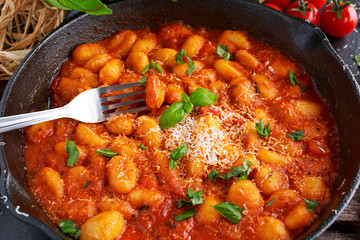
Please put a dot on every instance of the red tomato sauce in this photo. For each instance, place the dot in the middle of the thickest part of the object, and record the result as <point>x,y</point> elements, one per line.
<point>138,183</point>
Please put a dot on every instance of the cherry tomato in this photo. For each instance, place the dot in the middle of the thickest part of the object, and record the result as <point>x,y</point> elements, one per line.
<point>280,3</point>
<point>304,10</point>
<point>339,23</point>
<point>318,3</point>
<point>273,6</point>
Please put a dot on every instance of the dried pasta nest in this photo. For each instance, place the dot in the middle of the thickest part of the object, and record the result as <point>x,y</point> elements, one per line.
<point>22,24</point>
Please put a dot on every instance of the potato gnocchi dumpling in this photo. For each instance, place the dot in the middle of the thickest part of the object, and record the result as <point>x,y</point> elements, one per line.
<point>228,147</point>
<point>105,226</point>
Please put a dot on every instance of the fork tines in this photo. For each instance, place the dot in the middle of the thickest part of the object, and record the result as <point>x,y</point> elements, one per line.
<point>113,102</point>
<point>114,88</point>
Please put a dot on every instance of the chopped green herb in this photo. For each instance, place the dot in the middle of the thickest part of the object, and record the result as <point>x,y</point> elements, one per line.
<point>357,59</point>
<point>185,215</point>
<point>230,211</point>
<point>106,153</point>
<point>310,204</point>
<point>212,175</point>
<point>233,86</point>
<point>172,164</point>
<point>178,58</point>
<point>223,52</point>
<point>261,130</point>
<point>298,135</point>
<point>153,65</point>
<point>241,172</point>
<point>293,81</point>
<point>191,67</point>
<point>86,184</point>
<point>68,227</point>
<point>92,7</point>
<point>176,154</point>
<point>143,80</point>
<point>194,198</point>
<point>143,147</point>
<point>147,68</point>
<point>73,153</point>
<point>156,66</point>
<point>269,203</point>
<point>203,97</point>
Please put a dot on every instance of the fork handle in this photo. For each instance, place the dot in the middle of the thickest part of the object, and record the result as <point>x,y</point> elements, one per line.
<point>23,120</point>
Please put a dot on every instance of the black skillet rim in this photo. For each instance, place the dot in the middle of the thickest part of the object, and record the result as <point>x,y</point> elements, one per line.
<point>4,174</point>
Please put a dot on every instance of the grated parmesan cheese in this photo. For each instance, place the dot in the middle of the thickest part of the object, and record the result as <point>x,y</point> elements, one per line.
<point>209,144</point>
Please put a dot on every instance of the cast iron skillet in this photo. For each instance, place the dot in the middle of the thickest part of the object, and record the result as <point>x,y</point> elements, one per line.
<point>28,88</point>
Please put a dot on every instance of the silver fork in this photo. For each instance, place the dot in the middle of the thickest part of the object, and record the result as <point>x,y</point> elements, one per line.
<point>86,107</point>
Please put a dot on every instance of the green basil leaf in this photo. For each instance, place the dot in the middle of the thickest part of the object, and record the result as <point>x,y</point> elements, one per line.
<point>188,107</point>
<point>261,130</point>
<point>182,202</point>
<point>223,52</point>
<point>176,154</point>
<point>298,135</point>
<point>106,153</point>
<point>155,66</point>
<point>73,153</point>
<point>293,81</point>
<point>143,80</point>
<point>185,215</point>
<point>86,184</point>
<point>241,172</point>
<point>143,147</point>
<point>57,4</point>
<point>203,97</point>
<point>357,59</point>
<point>179,152</point>
<point>185,98</point>
<point>173,115</point>
<point>310,204</point>
<point>179,56</point>
<point>92,7</point>
<point>194,198</point>
<point>244,170</point>
<point>269,203</point>
<point>191,67</point>
<point>212,175</point>
<point>172,164</point>
<point>233,173</point>
<point>230,211</point>
<point>68,226</point>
